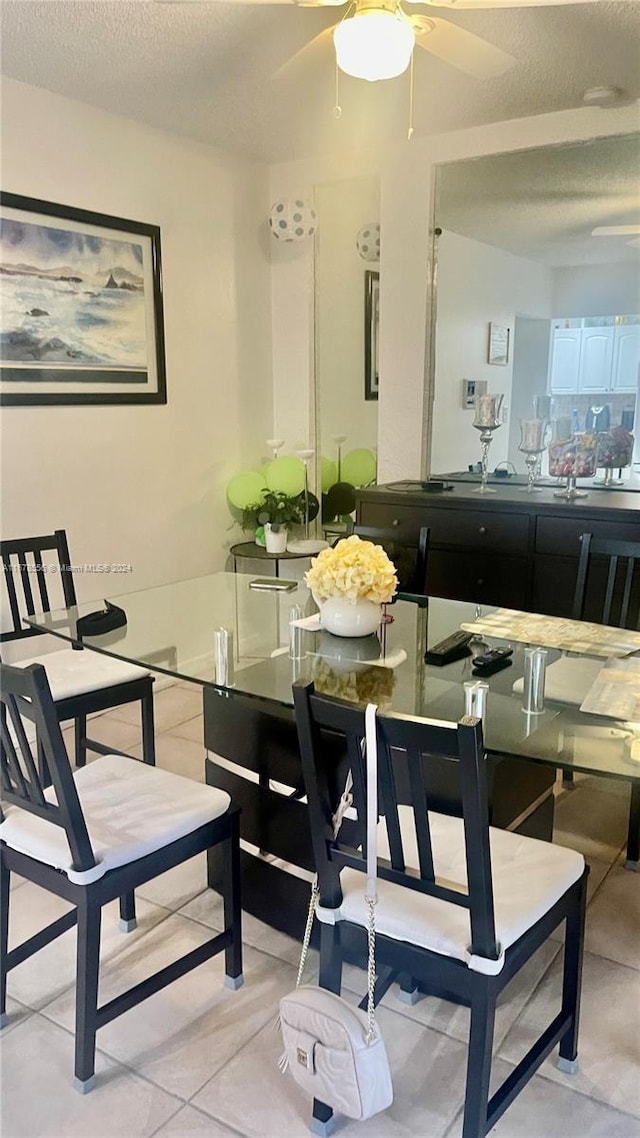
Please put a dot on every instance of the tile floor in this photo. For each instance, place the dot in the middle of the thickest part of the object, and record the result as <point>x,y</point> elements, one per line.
<point>199,1059</point>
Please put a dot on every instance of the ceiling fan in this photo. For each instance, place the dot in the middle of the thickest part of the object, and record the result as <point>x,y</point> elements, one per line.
<point>375,38</point>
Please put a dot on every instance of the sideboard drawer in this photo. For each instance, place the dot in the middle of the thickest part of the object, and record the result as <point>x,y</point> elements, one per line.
<point>561,536</point>
<point>485,578</point>
<point>469,528</point>
<point>481,529</point>
<point>393,517</point>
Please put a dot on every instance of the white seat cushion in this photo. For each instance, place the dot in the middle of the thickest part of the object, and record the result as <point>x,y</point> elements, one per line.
<point>130,809</point>
<point>529,876</point>
<point>72,672</point>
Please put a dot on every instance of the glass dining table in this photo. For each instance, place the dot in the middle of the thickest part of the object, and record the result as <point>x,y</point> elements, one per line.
<point>249,730</point>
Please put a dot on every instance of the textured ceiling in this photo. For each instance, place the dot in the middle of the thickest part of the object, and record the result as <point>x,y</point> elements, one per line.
<point>543,204</point>
<point>206,69</point>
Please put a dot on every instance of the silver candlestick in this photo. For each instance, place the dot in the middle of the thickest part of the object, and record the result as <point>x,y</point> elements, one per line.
<point>532,443</point>
<point>487,411</point>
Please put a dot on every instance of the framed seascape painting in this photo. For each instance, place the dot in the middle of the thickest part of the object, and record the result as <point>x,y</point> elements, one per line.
<point>80,307</point>
<point>371,326</point>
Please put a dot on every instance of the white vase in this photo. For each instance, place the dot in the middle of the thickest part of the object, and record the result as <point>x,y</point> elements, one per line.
<point>275,540</point>
<point>344,618</point>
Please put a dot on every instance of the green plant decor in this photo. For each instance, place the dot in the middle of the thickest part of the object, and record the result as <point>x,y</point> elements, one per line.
<point>277,508</point>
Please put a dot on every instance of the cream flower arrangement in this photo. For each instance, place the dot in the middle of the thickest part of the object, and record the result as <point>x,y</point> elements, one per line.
<point>369,685</point>
<point>353,569</point>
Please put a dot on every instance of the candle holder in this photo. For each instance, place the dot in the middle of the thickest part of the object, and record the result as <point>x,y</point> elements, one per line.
<point>487,410</point>
<point>533,443</point>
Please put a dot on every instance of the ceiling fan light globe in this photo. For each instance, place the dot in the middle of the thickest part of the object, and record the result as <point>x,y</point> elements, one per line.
<point>374,44</point>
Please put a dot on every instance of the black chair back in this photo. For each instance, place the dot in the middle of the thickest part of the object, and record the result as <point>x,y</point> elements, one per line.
<point>24,573</point>
<point>404,747</point>
<point>25,694</point>
<point>608,582</point>
<point>408,548</point>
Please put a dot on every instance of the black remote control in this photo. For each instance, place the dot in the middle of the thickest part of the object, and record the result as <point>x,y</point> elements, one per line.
<point>492,661</point>
<point>454,647</point>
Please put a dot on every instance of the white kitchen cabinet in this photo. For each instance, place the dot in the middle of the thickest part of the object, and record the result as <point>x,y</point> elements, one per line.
<point>626,358</point>
<point>564,362</point>
<point>596,356</point>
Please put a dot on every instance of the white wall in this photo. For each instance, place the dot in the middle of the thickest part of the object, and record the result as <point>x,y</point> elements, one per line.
<point>597,290</point>
<point>477,283</point>
<point>530,371</point>
<point>344,208</point>
<point>146,485</point>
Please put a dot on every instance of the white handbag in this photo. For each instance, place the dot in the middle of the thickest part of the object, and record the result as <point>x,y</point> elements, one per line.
<point>334,1051</point>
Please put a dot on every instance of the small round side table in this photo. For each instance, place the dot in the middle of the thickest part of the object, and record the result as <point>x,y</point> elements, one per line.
<point>249,551</point>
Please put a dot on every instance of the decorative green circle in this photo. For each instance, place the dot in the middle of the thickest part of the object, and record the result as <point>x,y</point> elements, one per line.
<point>359,467</point>
<point>286,474</point>
<point>328,473</point>
<point>246,489</point>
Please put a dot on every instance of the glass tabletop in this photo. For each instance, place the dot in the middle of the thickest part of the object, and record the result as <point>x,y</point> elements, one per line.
<point>171,629</point>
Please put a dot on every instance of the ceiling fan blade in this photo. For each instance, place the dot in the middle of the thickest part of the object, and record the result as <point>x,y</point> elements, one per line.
<point>460,48</point>
<point>304,57</point>
<point>454,4</point>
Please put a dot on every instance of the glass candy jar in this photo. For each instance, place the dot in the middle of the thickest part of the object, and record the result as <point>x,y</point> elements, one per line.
<point>572,459</point>
<point>614,452</point>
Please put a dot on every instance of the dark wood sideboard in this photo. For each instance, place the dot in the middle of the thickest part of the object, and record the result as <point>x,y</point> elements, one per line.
<point>509,548</point>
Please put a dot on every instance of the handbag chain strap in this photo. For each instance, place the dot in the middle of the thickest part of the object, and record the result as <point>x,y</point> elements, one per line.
<point>341,809</point>
<point>371,896</point>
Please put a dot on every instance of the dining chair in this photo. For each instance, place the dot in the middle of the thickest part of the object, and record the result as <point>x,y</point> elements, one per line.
<point>82,682</point>
<point>461,905</point>
<point>606,592</point>
<point>409,551</point>
<point>93,836</point>
<point>608,582</point>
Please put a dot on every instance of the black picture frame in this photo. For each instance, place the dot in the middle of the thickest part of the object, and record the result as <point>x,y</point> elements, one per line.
<point>86,342</point>
<point>371,327</point>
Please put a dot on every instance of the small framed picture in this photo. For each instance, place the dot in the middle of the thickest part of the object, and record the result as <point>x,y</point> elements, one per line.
<point>498,344</point>
<point>371,326</point>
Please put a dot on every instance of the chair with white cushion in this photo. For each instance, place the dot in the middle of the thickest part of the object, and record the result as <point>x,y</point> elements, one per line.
<point>82,682</point>
<point>461,905</point>
<point>95,835</point>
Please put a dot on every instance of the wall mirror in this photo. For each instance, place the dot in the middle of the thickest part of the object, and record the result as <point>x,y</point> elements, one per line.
<point>346,323</point>
<point>532,302</point>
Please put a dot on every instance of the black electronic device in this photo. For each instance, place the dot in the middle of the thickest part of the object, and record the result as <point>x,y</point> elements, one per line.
<point>453,647</point>
<point>428,486</point>
<point>492,661</point>
<point>273,584</point>
<point>97,623</point>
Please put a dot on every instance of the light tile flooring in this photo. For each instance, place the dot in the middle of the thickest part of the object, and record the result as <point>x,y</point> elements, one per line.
<point>199,1059</point>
